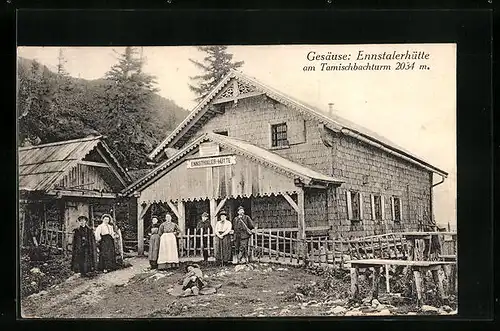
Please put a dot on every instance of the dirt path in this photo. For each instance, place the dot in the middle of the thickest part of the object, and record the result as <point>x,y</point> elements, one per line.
<point>78,292</point>
<point>257,290</point>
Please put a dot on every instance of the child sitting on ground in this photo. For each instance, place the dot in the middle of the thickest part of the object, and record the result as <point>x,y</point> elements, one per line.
<point>193,280</point>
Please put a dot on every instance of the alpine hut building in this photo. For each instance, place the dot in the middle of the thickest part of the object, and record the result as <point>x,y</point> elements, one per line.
<point>290,165</point>
<point>62,180</point>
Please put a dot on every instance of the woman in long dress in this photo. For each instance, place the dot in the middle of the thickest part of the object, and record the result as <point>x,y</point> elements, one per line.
<point>222,239</point>
<point>118,241</point>
<point>84,252</point>
<point>168,256</point>
<point>154,243</point>
<point>104,235</point>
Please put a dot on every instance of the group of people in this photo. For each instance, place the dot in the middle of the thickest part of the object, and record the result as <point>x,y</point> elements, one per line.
<point>96,250</point>
<point>163,248</point>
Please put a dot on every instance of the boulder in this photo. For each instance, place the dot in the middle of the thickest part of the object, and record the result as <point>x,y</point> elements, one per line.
<point>375,303</point>
<point>71,278</point>
<point>239,267</point>
<point>337,310</point>
<point>284,312</point>
<point>385,312</point>
<point>446,308</point>
<point>426,309</point>
<point>353,313</point>
<point>208,291</point>
<point>366,300</point>
<point>368,310</point>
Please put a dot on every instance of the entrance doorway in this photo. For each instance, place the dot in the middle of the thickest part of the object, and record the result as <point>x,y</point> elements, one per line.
<point>194,210</point>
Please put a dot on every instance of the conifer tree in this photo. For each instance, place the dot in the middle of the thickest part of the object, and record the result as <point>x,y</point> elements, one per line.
<point>127,110</point>
<point>217,63</point>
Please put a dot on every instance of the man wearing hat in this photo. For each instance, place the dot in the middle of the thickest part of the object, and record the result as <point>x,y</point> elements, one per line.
<point>242,226</point>
<point>207,228</point>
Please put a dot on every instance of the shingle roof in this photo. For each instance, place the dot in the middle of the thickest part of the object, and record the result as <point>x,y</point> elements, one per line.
<point>244,148</point>
<point>41,166</point>
<point>332,121</point>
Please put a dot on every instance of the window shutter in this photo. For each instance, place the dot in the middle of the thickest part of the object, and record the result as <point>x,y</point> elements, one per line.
<point>360,205</point>
<point>382,206</point>
<point>349,205</point>
<point>372,197</point>
<point>400,209</point>
<point>393,215</point>
<point>297,131</point>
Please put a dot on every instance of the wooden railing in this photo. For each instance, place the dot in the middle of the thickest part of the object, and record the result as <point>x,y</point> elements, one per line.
<point>284,246</point>
<point>193,242</point>
<point>54,239</point>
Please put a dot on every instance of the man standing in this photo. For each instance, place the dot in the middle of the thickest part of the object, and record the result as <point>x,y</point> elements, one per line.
<point>207,228</point>
<point>242,226</point>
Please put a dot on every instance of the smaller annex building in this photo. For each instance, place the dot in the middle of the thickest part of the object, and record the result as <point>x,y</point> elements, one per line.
<point>62,180</point>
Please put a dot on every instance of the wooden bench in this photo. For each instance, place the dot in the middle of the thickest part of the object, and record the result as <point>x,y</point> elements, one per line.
<point>418,267</point>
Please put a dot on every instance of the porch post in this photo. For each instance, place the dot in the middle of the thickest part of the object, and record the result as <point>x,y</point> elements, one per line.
<point>301,224</point>
<point>141,212</point>
<point>213,216</point>
<point>301,214</point>
<point>181,209</point>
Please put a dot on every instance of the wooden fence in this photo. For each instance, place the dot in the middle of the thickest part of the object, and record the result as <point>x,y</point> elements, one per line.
<point>55,239</point>
<point>284,246</point>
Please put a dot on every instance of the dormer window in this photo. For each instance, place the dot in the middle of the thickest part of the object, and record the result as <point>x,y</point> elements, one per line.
<point>279,135</point>
<point>221,132</point>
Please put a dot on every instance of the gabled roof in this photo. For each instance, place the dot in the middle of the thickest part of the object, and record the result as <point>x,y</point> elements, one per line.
<point>333,122</point>
<point>42,166</point>
<point>241,147</point>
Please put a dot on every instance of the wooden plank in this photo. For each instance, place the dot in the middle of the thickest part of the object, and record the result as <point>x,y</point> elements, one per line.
<point>93,164</point>
<point>291,202</point>
<point>354,284</point>
<point>188,242</point>
<point>195,243</point>
<point>173,208</point>
<point>220,205</point>
<point>349,205</point>
<point>379,262</point>
<point>375,282</point>
<point>209,182</point>
<point>181,209</point>
<point>140,227</point>
<point>301,214</point>
<point>111,167</point>
<point>387,285</point>
<point>213,214</point>
<point>418,286</point>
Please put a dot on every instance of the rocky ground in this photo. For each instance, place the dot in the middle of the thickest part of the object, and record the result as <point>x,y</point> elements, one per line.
<point>254,290</point>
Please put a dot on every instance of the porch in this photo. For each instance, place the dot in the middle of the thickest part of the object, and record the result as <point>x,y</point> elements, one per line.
<point>216,172</point>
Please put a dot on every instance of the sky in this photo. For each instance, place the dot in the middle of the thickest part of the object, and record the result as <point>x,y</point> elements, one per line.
<point>416,109</point>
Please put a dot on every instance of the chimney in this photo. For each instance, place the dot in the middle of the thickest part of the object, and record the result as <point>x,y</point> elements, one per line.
<point>330,108</point>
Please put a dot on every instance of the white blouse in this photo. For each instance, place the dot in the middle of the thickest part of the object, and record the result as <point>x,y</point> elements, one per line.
<point>103,229</point>
<point>224,227</point>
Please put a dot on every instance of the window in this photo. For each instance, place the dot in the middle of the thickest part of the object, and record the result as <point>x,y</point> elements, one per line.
<point>377,207</point>
<point>354,205</point>
<point>279,135</point>
<point>223,132</point>
<point>396,207</point>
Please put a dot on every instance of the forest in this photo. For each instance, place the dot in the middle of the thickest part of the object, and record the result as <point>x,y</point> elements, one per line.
<point>123,106</point>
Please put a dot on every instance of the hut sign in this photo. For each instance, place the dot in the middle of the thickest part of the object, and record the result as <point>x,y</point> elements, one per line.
<point>211,162</point>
